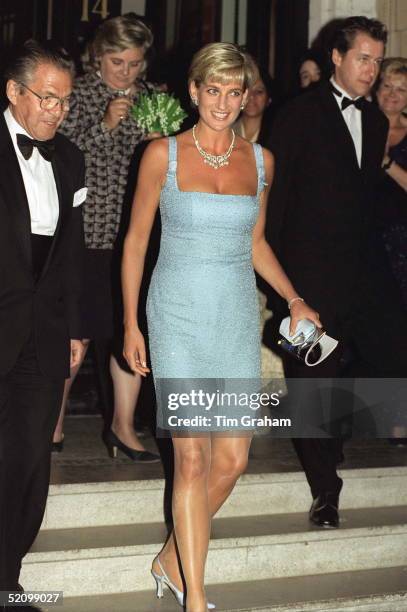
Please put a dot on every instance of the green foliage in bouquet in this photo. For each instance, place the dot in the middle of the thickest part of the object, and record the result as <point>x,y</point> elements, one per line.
<point>158,112</point>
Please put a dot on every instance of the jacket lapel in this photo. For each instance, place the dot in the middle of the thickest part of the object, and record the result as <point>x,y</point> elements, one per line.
<point>58,170</point>
<point>369,140</point>
<point>13,191</point>
<point>337,125</point>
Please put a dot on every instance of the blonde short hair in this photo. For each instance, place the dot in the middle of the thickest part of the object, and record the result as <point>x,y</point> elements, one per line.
<point>118,34</point>
<point>223,63</point>
<point>394,65</point>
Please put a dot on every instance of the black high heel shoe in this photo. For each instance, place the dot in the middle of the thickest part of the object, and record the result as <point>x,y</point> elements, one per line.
<point>58,447</point>
<point>113,443</point>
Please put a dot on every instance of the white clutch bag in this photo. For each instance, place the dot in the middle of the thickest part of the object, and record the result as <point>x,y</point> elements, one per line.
<point>308,344</point>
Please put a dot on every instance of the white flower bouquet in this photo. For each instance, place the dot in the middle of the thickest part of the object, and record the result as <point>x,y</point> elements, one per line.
<point>158,112</point>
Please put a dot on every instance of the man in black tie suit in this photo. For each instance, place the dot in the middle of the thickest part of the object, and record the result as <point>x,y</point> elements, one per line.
<point>41,243</point>
<point>329,146</point>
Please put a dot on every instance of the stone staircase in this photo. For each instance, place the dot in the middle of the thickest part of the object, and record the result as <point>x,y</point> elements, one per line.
<point>98,540</point>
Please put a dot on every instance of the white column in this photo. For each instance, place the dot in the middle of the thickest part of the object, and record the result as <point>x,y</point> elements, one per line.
<point>242,23</point>
<point>394,14</point>
<point>227,33</point>
<point>348,8</point>
<point>322,11</point>
<point>136,6</point>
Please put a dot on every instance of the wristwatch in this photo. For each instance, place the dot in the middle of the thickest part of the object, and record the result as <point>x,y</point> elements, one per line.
<point>387,165</point>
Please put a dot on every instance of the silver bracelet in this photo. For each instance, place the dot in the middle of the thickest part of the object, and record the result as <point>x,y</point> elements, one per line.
<point>296,299</point>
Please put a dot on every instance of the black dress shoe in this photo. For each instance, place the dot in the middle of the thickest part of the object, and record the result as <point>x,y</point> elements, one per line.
<point>113,443</point>
<point>324,510</point>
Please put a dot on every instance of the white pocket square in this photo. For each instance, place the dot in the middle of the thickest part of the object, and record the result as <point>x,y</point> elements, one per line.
<point>80,196</point>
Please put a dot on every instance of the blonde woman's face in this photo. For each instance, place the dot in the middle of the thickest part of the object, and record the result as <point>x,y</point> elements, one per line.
<point>218,104</point>
<point>120,70</point>
<point>392,94</point>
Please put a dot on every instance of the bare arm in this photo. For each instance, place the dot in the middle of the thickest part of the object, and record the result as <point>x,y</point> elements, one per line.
<point>151,178</point>
<point>77,349</point>
<point>266,263</point>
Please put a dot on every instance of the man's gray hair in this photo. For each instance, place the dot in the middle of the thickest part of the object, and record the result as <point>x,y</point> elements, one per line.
<point>24,64</point>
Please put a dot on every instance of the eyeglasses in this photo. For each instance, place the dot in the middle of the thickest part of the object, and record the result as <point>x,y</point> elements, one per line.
<point>50,102</point>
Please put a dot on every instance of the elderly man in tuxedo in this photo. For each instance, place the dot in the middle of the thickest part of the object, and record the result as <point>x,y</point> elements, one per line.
<point>329,147</point>
<point>41,242</point>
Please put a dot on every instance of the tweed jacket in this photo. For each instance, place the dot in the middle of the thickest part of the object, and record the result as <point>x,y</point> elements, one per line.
<point>107,156</point>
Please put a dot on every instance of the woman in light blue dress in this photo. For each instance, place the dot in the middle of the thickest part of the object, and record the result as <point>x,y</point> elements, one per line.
<point>203,312</point>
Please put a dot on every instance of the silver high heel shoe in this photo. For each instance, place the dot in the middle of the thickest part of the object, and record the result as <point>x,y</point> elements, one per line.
<point>163,579</point>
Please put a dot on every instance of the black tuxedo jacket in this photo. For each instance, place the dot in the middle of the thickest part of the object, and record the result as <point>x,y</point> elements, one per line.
<point>319,210</point>
<point>49,308</point>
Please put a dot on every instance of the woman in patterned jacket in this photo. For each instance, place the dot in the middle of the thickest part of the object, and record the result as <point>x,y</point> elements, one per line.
<point>100,123</point>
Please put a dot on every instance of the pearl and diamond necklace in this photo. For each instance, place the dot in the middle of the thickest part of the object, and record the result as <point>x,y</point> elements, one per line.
<point>215,161</point>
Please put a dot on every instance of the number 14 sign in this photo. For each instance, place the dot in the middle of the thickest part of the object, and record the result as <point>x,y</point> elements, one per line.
<point>99,7</point>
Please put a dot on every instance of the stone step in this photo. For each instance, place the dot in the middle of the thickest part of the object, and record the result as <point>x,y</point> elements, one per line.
<point>97,560</point>
<point>121,503</point>
<point>377,590</point>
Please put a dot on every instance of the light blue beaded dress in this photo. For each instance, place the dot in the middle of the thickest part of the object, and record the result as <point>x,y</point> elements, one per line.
<point>202,307</point>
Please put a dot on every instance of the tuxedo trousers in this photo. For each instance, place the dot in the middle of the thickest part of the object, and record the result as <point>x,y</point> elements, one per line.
<point>372,344</point>
<point>29,408</point>
<point>318,455</point>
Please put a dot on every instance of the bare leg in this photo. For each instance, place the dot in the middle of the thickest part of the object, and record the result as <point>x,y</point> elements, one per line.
<point>228,461</point>
<point>58,432</point>
<point>190,508</point>
<point>126,391</point>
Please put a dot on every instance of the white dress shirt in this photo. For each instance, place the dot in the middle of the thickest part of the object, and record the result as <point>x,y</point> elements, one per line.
<point>353,119</point>
<point>39,183</point>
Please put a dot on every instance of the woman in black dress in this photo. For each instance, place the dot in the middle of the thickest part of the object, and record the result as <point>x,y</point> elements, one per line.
<point>391,197</point>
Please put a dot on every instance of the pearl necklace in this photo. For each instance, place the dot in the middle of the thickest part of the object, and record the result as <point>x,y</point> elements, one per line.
<point>215,161</point>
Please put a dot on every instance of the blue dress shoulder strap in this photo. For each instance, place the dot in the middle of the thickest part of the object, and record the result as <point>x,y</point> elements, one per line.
<point>172,158</point>
<point>261,175</point>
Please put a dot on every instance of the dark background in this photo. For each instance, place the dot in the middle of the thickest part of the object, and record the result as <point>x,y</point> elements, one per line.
<point>276,29</point>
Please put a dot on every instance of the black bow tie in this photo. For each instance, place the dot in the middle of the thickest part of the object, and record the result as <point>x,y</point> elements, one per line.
<point>358,103</point>
<point>26,145</point>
